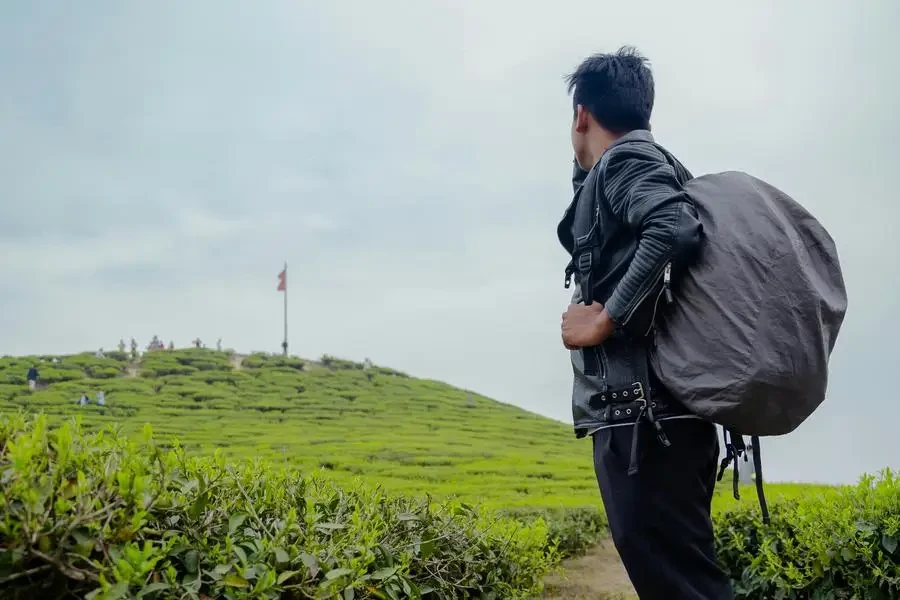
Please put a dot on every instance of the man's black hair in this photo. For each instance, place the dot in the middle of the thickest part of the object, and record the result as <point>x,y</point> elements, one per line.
<point>617,89</point>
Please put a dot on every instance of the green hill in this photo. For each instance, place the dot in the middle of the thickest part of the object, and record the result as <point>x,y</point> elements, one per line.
<point>356,428</point>
<point>409,435</point>
<point>375,425</point>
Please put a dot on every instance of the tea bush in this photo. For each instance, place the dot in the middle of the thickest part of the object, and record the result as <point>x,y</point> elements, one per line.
<point>56,375</point>
<point>258,361</point>
<point>572,531</point>
<point>839,544</point>
<point>102,517</point>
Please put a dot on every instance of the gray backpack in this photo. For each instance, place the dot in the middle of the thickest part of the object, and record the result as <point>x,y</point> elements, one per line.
<point>746,339</point>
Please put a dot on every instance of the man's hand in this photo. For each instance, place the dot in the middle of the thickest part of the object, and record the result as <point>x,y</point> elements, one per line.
<point>585,326</point>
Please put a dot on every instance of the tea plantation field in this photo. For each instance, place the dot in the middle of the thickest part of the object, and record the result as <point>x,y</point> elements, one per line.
<point>411,436</point>
<point>369,484</point>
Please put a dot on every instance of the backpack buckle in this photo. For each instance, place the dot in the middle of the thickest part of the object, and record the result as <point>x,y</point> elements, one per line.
<point>584,265</point>
<point>585,261</point>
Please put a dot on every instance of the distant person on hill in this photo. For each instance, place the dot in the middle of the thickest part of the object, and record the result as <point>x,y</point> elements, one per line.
<point>83,400</point>
<point>101,398</point>
<point>32,377</point>
<point>628,222</point>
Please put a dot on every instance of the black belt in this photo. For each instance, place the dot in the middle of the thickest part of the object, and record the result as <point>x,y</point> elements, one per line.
<point>630,403</point>
<point>626,403</point>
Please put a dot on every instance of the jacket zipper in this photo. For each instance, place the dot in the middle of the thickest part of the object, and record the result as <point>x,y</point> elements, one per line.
<point>667,282</point>
<point>666,267</point>
<point>665,291</point>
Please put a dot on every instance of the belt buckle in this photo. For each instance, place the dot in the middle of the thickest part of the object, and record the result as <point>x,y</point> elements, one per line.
<point>637,391</point>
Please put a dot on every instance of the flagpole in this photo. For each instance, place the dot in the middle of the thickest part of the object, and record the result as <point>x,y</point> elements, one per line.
<point>284,345</point>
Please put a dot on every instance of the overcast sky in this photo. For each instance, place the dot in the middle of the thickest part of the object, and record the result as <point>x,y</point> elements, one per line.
<point>410,160</point>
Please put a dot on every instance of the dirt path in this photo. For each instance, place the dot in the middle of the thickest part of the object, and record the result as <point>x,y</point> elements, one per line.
<point>598,575</point>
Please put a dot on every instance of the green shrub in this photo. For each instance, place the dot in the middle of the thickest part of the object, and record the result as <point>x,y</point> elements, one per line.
<point>390,372</point>
<point>257,361</point>
<point>207,365</point>
<point>87,360</point>
<point>103,372</point>
<point>161,370</point>
<point>102,517</point>
<point>572,531</point>
<point>340,364</point>
<point>230,377</point>
<point>183,362</point>
<point>56,375</point>
<point>840,544</point>
<point>9,390</point>
<point>203,360</point>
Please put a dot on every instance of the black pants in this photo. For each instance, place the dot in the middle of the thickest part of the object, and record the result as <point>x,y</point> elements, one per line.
<point>660,517</point>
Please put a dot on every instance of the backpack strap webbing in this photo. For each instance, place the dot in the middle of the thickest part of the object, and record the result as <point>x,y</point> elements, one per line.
<point>757,466</point>
<point>735,449</point>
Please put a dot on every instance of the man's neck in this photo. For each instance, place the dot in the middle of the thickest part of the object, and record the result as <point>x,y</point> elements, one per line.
<point>599,144</point>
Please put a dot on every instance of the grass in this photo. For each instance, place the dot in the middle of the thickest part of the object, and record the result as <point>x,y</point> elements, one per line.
<point>411,436</point>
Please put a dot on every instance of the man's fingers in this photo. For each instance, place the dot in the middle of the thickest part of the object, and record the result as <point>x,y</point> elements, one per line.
<point>566,343</point>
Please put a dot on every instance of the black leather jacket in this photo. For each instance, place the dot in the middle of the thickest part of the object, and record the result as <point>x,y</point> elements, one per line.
<point>646,229</point>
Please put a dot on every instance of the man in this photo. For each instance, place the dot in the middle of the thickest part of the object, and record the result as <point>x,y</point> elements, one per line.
<point>32,377</point>
<point>630,230</point>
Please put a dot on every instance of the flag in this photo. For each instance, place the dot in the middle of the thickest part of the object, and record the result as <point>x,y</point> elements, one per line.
<point>282,280</point>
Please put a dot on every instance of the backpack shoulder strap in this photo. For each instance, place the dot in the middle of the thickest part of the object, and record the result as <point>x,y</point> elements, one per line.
<point>582,263</point>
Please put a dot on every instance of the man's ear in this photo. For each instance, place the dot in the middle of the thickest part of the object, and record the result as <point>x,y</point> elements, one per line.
<point>582,117</point>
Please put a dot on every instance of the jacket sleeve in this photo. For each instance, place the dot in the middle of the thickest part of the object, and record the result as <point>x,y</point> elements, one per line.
<point>643,191</point>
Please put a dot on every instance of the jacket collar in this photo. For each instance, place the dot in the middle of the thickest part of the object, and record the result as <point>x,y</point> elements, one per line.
<point>638,135</point>
<point>564,229</point>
